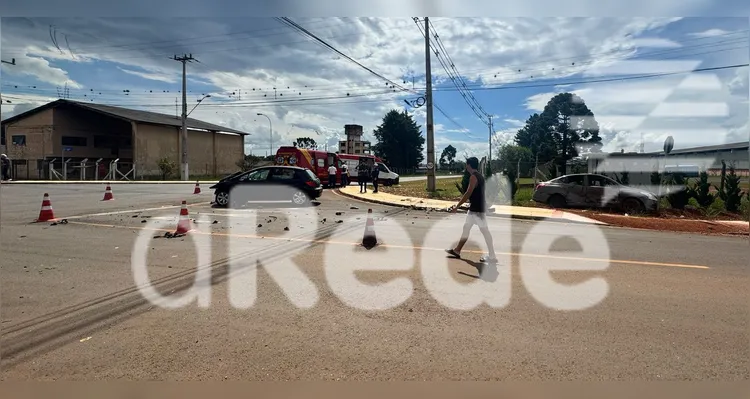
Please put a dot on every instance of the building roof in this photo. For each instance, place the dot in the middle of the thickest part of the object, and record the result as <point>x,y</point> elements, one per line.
<point>742,145</point>
<point>129,115</point>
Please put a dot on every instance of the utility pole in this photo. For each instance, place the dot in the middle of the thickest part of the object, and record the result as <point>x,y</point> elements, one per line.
<point>184,172</point>
<point>11,62</point>
<point>428,104</point>
<point>489,157</point>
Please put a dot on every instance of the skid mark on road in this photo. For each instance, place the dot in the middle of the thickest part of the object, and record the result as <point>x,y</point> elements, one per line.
<point>409,247</point>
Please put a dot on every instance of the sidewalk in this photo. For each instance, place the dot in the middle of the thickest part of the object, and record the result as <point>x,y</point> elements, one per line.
<point>515,212</point>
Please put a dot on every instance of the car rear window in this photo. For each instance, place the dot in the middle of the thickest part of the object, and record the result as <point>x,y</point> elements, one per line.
<point>311,175</point>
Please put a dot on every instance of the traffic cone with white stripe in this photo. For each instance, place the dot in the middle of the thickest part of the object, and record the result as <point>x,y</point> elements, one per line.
<point>197,188</point>
<point>46,214</point>
<point>369,240</point>
<point>183,225</point>
<point>108,196</point>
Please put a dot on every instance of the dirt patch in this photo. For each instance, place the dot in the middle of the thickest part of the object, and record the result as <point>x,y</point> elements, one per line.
<point>669,222</point>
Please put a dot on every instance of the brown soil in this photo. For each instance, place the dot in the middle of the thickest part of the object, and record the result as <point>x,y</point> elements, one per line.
<point>671,220</point>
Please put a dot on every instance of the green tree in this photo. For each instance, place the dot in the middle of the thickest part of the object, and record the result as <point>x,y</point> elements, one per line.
<point>509,156</point>
<point>565,123</point>
<point>730,192</point>
<point>701,191</point>
<point>305,142</point>
<point>399,140</point>
<point>249,162</point>
<point>447,158</point>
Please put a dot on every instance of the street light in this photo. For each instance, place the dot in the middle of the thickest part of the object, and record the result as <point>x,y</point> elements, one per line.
<point>199,103</point>
<point>270,133</point>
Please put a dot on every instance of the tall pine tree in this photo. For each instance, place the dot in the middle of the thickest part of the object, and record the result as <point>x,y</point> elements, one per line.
<point>399,140</point>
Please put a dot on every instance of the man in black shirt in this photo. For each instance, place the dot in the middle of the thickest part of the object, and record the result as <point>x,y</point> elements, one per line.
<point>477,208</point>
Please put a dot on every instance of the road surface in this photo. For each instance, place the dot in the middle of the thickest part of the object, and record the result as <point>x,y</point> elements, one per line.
<point>674,305</point>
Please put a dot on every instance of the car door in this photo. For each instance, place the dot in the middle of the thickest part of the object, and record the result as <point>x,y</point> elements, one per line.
<point>595,191</point>
<point>282,184</point>
<point>252,186</point>
<point>575,190</point>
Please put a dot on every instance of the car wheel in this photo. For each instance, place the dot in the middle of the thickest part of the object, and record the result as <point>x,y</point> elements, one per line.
<point>557,201</point>
<point>222,199</point>
<point>300,198</point>
<point>633,205</point>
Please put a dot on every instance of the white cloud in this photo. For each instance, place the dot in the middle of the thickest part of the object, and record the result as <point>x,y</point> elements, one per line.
<point>710,33</point>
<point>308,79</point>
<point>151,76</point>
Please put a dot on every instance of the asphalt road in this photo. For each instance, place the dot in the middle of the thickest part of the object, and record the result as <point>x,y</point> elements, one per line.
<point>667,306</point>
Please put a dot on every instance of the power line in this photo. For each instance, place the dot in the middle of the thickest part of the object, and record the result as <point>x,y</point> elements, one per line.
<point>479,112</point>
<point>294,25</point>
<point>351,85</point>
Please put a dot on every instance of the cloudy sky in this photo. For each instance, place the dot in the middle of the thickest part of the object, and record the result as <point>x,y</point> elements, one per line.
<point>508,68</point>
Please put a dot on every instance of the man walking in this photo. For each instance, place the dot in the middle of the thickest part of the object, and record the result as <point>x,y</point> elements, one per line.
<point>332,176</point>
<point>344,175</point>
<point>363,172</point>
<point>5,167</point>
<point>477,208</point>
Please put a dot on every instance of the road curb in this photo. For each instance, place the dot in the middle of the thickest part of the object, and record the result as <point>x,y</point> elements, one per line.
<point>494,215</point>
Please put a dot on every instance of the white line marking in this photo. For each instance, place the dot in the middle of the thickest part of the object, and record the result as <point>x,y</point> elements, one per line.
<point>131,211</point>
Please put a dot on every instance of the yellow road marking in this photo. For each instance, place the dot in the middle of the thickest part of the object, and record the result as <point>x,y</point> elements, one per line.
<point>616,261</point>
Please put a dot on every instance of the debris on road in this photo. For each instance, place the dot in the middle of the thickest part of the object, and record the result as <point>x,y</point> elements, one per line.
<point>85,339</point>
<point>353,207</point>
<point>64,221</point>
<point>286,228</point>
<point>339,221</point>
<point>215,222</point>
<point>339,213</point>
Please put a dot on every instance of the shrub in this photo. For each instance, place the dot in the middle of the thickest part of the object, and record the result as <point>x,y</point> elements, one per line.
<point>167,167</point>
<point>730,191</point>
<point>680,193</point>
<point>701,191</point>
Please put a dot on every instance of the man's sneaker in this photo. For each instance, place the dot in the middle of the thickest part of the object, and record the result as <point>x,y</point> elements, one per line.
<point>453,253</point>
<point>487,259</point>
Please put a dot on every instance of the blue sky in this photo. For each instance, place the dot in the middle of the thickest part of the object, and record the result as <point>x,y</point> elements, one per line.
<point>510,66</point>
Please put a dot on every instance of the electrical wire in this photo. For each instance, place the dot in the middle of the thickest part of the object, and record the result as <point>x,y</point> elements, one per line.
<point>352,85</point>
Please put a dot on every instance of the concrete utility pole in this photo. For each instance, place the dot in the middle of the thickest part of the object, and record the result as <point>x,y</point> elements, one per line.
<point>184,172</point>
<point>489,157</point>
<point>270,133</point>
<point>428,104</point>
<point>11,62</point>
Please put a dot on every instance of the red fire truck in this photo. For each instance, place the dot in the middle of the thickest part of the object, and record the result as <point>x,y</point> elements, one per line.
<point>317,161</point>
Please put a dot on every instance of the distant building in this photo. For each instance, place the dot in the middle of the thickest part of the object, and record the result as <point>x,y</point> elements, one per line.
<point>354,143</point>
<point>64,132</point>
<point>640,165</point>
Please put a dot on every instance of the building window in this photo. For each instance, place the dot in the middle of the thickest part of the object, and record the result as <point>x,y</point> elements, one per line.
<point>74,141</point>
<point>103,142</point>
<point>19,139</point>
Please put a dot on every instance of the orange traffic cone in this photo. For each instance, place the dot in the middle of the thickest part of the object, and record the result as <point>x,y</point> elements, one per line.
<point>197,188</point>
<point>108,196</point>
<point>183,226</point>
<point>369,240</point>
<point>46,214</point>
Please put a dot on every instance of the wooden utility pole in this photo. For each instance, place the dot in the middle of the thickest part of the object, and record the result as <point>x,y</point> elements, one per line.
<point>428,104</point>
<point>184,170</point>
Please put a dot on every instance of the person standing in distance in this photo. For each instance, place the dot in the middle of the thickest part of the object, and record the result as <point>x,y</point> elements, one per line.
<point>476,216</point>
<point>332,176</point>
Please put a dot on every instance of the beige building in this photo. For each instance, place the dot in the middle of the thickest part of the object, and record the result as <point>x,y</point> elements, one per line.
<point>64,132</point>
<point>353,143</point>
